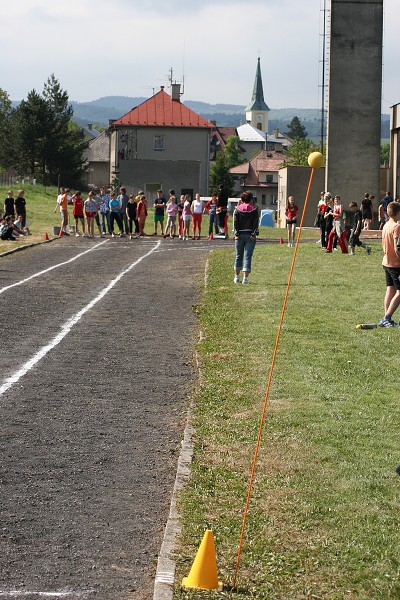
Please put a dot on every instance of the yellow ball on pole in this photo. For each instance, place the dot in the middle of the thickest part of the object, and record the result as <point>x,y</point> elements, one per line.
<point>315,160</point>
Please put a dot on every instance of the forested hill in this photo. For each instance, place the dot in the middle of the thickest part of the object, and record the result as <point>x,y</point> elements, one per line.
<point>99,112</point>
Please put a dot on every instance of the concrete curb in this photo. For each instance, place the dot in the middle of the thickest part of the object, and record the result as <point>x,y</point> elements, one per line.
<point>165,573</point>
<point>20,248</point>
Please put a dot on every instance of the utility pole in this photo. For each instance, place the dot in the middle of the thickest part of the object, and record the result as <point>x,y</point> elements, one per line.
<point>323,77</point>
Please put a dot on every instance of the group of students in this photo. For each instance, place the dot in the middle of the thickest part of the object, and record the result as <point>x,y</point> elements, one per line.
<point>130,213</point>
<point>13,222</point>
<point>187,212</point>
<point>331,221</point>
<point>105,209</point>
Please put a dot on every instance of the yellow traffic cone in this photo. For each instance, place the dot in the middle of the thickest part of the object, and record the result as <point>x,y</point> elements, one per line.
<point>203,574</point>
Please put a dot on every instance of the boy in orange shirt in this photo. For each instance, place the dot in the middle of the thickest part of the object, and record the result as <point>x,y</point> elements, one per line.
<point>391,263</point>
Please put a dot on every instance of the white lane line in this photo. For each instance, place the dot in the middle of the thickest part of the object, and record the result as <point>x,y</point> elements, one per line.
<point>66,328</point>
<point>8,287</point>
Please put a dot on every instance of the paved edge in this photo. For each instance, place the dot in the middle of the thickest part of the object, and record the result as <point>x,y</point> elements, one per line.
<point>165,573</point>
<point>20,248</point>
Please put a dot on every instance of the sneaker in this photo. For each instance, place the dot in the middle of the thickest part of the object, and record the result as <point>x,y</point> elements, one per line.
<point>386,322</point>
<point>352,253</point>
<point>236,279</point>
<point>245,280</point>
<point>180,237</point>
<point>113,235</point>
<point>77,235</point>
<point>368,249</point>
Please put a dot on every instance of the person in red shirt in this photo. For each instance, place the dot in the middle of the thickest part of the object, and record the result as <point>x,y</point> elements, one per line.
<point>291,219</point>
<point>77,212</point>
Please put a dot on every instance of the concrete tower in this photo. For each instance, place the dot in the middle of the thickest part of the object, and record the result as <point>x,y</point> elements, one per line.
<point>354,111</point>
<point>257,111</point>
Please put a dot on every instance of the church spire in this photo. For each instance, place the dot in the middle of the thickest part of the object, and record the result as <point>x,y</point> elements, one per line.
<point>257,101</point>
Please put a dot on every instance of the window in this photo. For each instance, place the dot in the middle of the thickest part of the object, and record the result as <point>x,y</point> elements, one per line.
<point>159,142</point>
<point>269,178</point>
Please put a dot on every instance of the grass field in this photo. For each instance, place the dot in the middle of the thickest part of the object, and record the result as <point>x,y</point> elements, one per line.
<point>323,519</point>
<point>40,203</point>
<point>324,513</point>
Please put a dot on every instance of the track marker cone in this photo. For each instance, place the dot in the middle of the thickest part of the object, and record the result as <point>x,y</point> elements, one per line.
<point>61,233</point>
<point>46,237</point>
<point>203,574</point>
<point>211,236</point>
<point>281,241</point>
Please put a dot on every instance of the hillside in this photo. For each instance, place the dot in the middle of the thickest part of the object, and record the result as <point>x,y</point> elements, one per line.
<point>100,111</point>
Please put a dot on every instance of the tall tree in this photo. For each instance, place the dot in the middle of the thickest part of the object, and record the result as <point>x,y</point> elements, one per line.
<point>67,143</point>
<point>31,124</point>
<point>233,152</point>
<point>296,130</point>
<point>219,174</point>
<point>227,158</point>
<point>46,143</point>
<point>5,137</point>
<point>297,154</point>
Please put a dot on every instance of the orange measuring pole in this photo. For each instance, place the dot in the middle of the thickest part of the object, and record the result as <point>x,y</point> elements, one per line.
<point>315,160</point>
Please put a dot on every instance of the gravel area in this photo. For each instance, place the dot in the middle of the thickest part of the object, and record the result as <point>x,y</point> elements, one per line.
<point>90,435</point>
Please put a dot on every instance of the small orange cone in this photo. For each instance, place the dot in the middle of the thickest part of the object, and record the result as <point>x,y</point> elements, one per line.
<point>203,574</point>
<point>61,233</point>
<point>211,236</point>
<point>281,241</point>
<point>46,237</point>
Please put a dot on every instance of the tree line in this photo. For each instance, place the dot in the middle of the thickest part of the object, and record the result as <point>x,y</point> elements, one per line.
<point>39,139</point>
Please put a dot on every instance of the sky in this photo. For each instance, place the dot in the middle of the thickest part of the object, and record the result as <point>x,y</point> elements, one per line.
<point>99,48</point>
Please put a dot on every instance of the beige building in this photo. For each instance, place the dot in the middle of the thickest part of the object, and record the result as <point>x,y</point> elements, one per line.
<point>394,178</point>
<point>160,144</point>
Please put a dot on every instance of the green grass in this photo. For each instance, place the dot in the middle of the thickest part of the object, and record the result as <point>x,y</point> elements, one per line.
<point>323,519</point>
<point>40,203</point>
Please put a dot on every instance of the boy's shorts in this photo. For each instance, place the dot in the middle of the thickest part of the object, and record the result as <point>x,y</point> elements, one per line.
<point>158,218</point>
<point>392,275</point>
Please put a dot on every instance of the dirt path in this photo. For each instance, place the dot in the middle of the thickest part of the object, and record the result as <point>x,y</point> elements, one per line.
<point>91,433</point>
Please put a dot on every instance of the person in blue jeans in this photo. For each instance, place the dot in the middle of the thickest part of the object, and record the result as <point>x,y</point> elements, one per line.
<point>245,225</point>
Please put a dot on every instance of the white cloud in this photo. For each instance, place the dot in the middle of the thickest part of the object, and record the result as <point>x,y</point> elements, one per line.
<point>98,48</point>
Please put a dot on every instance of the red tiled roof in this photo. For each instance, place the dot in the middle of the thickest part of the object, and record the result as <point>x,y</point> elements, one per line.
<point>242,169</point>
<point>161,110</point>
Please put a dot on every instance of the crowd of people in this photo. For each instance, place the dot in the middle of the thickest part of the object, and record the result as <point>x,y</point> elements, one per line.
<point>334,227</point>
<point>125,215</point>
<point>13,222</point>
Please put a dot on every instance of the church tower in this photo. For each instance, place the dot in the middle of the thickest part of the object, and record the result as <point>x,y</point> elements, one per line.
<point>257,111</point>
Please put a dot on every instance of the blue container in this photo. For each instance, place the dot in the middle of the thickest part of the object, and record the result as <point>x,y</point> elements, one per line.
<point>267,218</point>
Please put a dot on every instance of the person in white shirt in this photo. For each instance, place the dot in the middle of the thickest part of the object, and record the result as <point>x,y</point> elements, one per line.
<point>197,214</point>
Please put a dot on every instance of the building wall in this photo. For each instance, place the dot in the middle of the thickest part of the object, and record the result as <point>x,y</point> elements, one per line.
<point>354,115</point>
<point>394,187</point>
<point>293,181</point>
<point>184,162</point>
<point>173,174</point>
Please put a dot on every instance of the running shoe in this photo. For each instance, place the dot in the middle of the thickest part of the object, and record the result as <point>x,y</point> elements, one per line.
<point>386,322</point>
<point>245,280</point>
<point>236,279</point>
<point>368,249</point>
